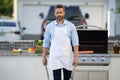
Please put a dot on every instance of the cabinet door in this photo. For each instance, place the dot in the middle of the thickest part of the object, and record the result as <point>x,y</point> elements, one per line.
<point>98,75</point>
<point>80,75</point>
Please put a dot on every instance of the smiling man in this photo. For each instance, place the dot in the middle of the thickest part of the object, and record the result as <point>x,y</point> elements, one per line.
<point>60,36</point>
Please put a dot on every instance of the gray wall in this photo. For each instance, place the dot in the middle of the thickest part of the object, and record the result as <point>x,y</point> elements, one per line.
<point>117,25</point>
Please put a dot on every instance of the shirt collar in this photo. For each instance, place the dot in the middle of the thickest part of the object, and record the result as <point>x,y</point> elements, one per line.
<point>56,24</point>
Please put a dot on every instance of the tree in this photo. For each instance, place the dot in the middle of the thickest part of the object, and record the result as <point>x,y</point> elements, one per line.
<point>6,7</point>
<point>118,7</point>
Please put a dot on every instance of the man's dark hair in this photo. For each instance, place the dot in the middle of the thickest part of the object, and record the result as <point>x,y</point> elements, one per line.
<point>59,6</point>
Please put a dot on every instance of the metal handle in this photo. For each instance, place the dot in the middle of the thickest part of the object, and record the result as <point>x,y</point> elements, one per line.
<point>47,72</point>
<point>73,70</point>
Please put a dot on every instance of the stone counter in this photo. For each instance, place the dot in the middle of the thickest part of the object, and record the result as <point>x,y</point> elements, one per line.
<point>28,66</point>
<point>115,55</point>
<point>24,53</point>
<point>22,68</point>
<point>114,67</point>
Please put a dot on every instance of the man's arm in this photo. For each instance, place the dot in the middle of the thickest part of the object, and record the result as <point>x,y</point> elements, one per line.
<point>46,44</point>
<point>44,54</point>
<point>76,61</point>
<point>75,44</point>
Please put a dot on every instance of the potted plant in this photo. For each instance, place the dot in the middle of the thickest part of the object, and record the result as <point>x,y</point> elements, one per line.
<point>38,44</point>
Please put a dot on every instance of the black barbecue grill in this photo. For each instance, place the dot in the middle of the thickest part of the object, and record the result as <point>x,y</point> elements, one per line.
<point>95,40</point>
<point>96,63</point>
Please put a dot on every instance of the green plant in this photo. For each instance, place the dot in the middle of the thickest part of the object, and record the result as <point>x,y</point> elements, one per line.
<point>38,42</point>
<point>118,7</point>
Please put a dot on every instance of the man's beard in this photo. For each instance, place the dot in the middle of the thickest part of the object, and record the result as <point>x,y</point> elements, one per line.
<point>60,18</point>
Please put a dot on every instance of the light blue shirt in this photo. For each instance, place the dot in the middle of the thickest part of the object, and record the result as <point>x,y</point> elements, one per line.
<point>50,29</point>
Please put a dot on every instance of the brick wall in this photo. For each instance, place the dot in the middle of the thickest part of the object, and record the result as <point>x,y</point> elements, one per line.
<point>23,44</point>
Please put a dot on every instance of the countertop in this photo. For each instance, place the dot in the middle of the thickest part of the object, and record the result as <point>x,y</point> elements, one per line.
<point>115,55</point>
<point>25,53</point>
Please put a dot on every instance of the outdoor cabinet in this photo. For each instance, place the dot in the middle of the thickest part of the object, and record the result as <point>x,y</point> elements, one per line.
<point>90,75</point>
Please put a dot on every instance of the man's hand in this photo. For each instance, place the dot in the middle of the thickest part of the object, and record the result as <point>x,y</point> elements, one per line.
<point>76,61</point>
<point>44,61</point>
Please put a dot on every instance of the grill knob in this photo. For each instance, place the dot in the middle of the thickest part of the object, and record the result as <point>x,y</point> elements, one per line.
<point>93,59</point>
<point>102,59</point>
<point>84,59</point>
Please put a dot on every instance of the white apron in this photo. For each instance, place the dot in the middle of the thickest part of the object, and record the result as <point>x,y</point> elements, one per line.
<point>61,55</point>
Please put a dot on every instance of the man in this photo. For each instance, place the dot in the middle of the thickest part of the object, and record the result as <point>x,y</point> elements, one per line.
<point>60,36</point>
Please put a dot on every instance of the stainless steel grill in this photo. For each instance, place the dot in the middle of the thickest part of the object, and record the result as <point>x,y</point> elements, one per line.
<point>92,67</point>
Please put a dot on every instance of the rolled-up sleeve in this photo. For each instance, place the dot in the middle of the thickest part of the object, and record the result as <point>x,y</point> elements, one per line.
<point>46,41</point>
<point>74,37</point>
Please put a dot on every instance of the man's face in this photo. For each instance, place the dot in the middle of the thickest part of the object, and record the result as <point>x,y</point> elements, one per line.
<point>59,14</point>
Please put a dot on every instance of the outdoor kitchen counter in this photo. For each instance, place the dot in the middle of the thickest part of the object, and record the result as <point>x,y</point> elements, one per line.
<point>114,67</point>
<point>28,66</point>
<point>114,55</point>
<point>24,53</point>
<point>22,66</point>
